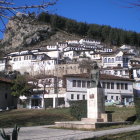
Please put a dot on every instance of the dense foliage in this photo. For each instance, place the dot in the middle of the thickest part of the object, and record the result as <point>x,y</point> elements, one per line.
<point>21,87</point>
<point>103,33</point>
<point>78,109</point>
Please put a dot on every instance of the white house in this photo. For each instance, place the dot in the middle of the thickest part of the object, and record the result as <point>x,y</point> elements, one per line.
<point>89,41</point>
<point>76,87</point>
<point>116,88</point>
<point>32,62</point>
<point>117,71</point>
<point>115,59</point>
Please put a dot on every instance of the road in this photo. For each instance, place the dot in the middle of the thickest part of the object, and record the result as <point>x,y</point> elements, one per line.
<point>46,133</point>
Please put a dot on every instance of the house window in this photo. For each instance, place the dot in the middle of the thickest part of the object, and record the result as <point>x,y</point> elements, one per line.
<point>112,85</point>
<point>105,60</point>
<point>84,97</point>
<point>119,58</point>
<point>6,96</point>
<point>79,83</point>
<point>83,84</point>
<point>74,83</point>
<point>109,60</point>
<point>115,72</point>
<point>118,85</point>
<point>117,98</point>
<point>105,97</point>
<point>126,72</point>
<point>111,97</point>
<point>112,60</point>
<point>108,85</point>
<point>78,96</point>
<point>72,96</point>
<point>126,86</point>
<point>122,85</point>
<point>120,72</point>
<point>104,84</point>
<point>88,84</point>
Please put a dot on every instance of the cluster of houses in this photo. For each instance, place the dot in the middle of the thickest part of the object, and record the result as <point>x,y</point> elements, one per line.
<point>64,80</point>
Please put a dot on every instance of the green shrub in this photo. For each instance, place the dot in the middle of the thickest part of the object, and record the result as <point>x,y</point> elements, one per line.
<point>78,109</point>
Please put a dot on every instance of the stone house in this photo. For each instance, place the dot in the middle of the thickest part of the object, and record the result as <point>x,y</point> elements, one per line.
<point>6,99</point>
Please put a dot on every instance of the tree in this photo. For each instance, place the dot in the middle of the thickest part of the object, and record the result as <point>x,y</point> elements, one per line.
<point>21,87</point>
<point>8,8</point>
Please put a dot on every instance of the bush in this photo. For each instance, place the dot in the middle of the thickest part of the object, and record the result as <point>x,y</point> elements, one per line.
<point>78,109</point>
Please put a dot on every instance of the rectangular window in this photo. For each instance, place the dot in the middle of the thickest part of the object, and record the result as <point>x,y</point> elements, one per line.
<point>104,85</point>
<point>72,96</point>
<point>122,85</point>
<point>74,83</point>
<point>112,85</point>
<point>118,85</point>
<point>83,83</point>
<point>115,72</point>
<point>111,97</point>
<point>126,72</point>
<point>126,86</point>
<point>78,96</point>
<point>105,97</point>
<point>108,85</point>
<point>79,83</point>
<point>88,84</point>
<point>120,72</point>
<point>117,98</point>
<point>84,97</point>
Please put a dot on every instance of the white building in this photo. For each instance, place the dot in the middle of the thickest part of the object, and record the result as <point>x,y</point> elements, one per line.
<point>51,87</point>
<point>89,41</point>
<point>114,59</point>
<point>32,62</point>
<point>117,71</point>
<point>115,88</point>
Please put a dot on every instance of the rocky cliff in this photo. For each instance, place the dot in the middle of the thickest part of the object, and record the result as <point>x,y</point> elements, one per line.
<point>24,32</point>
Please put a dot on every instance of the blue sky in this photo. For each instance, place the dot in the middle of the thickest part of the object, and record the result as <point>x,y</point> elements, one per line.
<point>104,12</point>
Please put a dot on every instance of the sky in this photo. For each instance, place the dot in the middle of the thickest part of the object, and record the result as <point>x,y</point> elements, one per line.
<point>114,13</point>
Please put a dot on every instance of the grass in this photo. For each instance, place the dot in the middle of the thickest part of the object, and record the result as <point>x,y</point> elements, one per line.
<point>34,117</point>
<point>26,117</point>
<point>122,113</point>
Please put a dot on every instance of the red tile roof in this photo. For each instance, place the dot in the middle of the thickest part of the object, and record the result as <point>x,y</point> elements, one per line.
<point>112,77</point>
<point>102,77</point>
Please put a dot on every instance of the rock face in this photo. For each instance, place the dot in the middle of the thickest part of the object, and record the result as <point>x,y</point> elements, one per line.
<point>23,31</point>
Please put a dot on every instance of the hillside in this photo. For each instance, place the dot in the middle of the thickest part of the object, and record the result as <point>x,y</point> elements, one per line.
<point>26,32</point>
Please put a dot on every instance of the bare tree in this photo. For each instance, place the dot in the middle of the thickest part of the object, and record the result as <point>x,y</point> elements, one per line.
<point>8,8</point>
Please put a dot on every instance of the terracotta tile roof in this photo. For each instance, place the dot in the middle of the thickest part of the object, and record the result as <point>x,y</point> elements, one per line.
<point>102,77</point>
<point>112,77</point>
<point>83,75</point>
<point>110,68</point>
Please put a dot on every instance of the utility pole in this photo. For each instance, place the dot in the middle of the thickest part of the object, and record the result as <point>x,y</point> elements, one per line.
<point>57,84</point>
